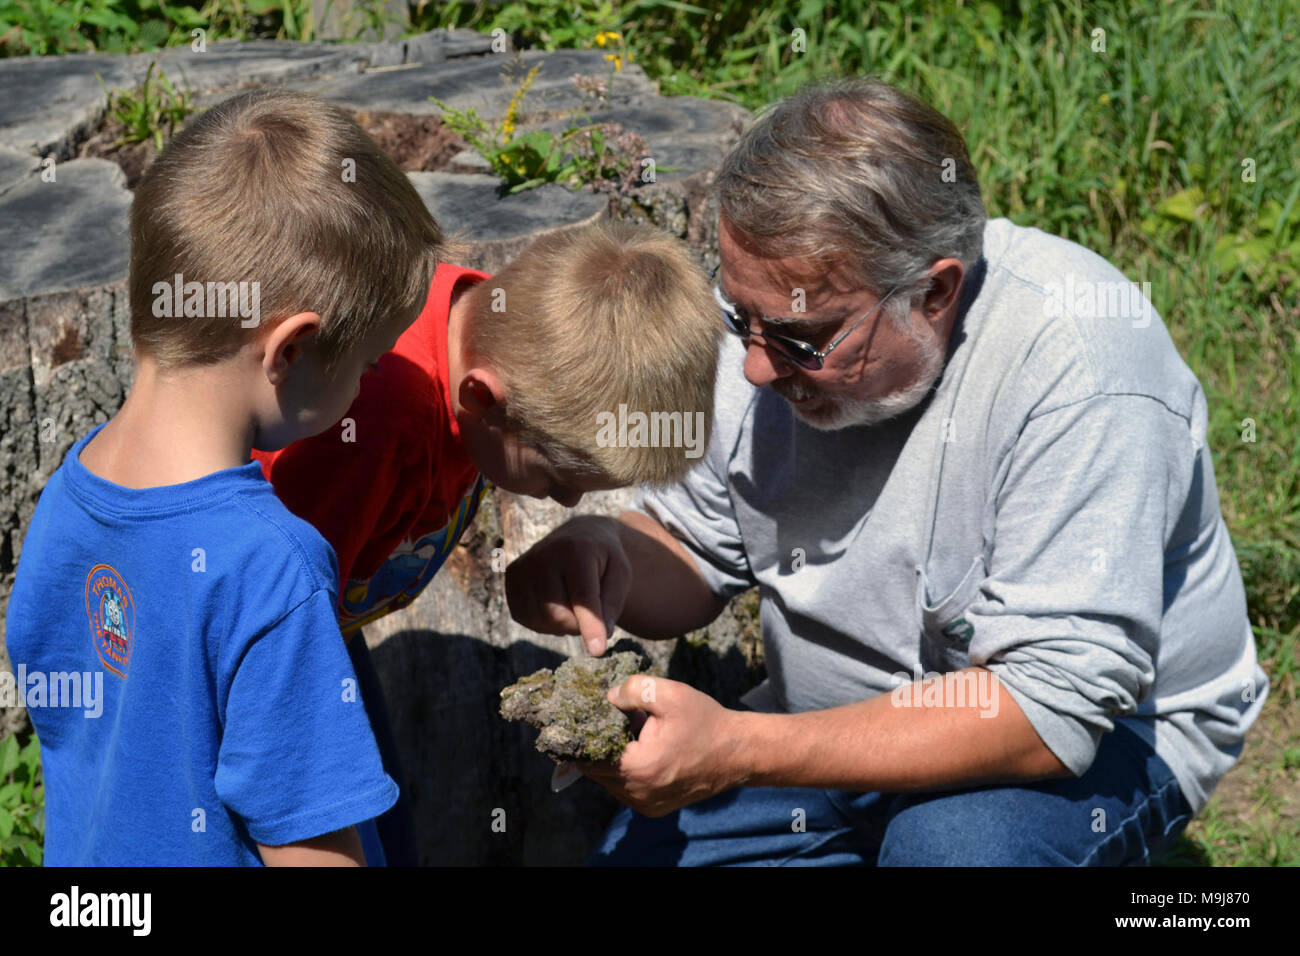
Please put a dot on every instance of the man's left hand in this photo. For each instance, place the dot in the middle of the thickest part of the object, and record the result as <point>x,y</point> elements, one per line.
<point>687,749</point>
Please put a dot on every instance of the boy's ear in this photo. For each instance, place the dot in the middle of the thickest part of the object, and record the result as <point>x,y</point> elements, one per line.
<point>481,393</point>
<point>285,343</point>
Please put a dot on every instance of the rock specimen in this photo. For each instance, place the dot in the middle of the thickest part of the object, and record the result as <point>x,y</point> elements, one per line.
<point>570,707</point>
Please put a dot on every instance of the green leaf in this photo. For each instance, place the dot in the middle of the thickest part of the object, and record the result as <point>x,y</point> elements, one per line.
<point>8,755</point>
<point>1183,206</point>
<point>991,17</point>
<point>6,824</point>
<point>153,34</point>
<point>539,140</point>
<point>1249,252</point>
<point>526,184</point>
<point>111,20</point>
<point>33,852</point>
<point>10,795</point>
<point>183,16</point>
<point>1269,216</point>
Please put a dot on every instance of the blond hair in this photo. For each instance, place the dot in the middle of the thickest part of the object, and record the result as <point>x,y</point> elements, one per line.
<point>587,320</point>
<point>280,189</point>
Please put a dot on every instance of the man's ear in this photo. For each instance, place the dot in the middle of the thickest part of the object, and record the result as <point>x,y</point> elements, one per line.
<point>945,289</point>
<point>482,394</point>
<point>286,342</point>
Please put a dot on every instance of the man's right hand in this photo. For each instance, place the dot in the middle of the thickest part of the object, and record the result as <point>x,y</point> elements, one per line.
<point>574,581</point>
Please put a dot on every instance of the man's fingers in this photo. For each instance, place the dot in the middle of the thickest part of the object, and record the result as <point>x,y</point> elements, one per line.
<point>637,720</point>
<point>600,772</point>
<point>639,692</point>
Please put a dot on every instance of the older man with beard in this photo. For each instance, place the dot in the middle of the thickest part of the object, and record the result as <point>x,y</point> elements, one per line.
<point>966,469</point>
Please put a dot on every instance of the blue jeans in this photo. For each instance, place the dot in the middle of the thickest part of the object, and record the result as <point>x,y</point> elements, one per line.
<point>1126,809</point>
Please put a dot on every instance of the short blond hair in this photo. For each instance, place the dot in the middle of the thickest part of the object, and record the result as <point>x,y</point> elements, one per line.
<point>587,320</point>
<point>282,189</point>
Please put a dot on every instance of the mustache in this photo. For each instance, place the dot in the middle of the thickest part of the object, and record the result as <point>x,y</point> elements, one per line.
<point>794,391</point>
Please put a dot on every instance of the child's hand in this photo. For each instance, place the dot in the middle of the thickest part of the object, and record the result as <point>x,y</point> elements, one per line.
<point>574,581</point>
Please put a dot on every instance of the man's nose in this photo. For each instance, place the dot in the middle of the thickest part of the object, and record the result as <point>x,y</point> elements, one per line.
<point>761,368</point>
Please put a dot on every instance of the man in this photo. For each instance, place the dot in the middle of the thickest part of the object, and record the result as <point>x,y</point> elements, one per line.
<point>982,460</point>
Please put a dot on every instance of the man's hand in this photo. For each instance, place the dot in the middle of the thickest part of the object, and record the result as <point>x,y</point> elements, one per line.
<point>574,581</point>
<point>691,748</point>
<point>686,750</point>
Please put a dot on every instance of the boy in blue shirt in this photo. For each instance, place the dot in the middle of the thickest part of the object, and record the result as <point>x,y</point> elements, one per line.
<point>276,254</point>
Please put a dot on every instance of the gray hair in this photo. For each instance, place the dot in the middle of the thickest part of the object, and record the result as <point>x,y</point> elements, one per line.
<point>858,173</point>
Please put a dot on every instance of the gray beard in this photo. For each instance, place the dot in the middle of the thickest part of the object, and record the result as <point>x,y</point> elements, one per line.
<point>847,412</point>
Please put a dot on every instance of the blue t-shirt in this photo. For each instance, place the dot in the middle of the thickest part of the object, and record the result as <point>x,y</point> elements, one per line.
<point>218,706</point>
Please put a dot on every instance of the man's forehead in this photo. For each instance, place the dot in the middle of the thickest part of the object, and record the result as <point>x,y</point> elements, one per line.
<point>744,258</point>
<point>793,297</point>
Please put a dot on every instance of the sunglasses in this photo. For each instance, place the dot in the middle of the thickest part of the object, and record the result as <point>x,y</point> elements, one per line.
<point>796,350</point>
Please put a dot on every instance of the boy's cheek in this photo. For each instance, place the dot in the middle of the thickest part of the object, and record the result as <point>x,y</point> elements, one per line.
<point>528,482</point>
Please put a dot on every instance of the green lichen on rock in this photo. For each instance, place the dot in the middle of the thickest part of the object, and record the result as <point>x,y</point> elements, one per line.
<point>569,706</point>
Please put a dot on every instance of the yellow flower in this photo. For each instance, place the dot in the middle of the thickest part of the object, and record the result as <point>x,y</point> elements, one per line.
<point>1104,99</point>
<point>618,61</point>
<point>605,35</point>
<point>512,111</point>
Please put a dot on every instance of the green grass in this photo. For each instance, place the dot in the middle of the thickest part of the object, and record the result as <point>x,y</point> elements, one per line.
<point>152,111</point>
<point>22,803</point>
<point>1261,836</point>
<point>44,27</point>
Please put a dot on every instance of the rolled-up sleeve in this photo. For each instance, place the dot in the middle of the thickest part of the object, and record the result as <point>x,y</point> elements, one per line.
<point>1070,614</point>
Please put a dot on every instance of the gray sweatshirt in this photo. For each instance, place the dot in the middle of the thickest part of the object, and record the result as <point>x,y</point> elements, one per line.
<point>1049,513</point>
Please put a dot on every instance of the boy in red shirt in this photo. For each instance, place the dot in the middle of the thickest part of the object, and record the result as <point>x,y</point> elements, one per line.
<point>503,379</point>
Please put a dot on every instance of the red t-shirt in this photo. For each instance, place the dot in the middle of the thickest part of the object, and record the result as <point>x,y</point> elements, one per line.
<point>390,486</point>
